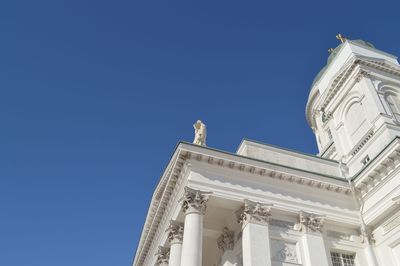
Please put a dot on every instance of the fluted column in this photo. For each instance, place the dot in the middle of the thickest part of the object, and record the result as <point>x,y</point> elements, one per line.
<point>254,218</point>
<point>313,243</point>
<point>194,207</point>
<point>162,256</point>
<point>175,237</point>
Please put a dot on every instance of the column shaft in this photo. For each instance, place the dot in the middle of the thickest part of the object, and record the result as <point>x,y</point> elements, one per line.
<point>175,254</point>
<point>314,250</point>
<point>192,240</point>
<point>256,245</point>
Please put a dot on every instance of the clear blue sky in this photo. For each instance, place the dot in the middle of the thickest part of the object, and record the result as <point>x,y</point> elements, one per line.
<point>95,95</point>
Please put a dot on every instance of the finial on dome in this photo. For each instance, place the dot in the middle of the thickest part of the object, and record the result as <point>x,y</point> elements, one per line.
<point>200,133</point>
<point>341,38</point>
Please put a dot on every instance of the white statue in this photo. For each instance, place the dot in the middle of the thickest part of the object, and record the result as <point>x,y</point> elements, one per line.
<point>200,133</point>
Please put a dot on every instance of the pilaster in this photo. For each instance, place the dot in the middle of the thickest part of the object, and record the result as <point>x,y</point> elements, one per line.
<point>312,240</point>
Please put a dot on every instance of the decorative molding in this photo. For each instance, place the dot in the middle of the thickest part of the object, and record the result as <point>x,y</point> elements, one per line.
<point>253,212</point>
<point>360,75</point>
<point>379,171</point>
<point>310,222</point>
<point>392,223</point>
<point>175,232</point>
<point>162,256</point>
<point>226,240</point>
<point>195,200</point>
<point>283,251</point>
<point>362,142</point>
<point>161,197</point>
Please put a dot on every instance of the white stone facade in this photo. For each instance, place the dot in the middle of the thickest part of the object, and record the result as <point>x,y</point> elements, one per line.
<point>265,205</point>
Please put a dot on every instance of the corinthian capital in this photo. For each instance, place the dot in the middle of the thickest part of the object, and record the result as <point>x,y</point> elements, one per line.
<point>162,256</point>
<point>195,200</point>
<point>175,232</point>
<point>253,212</point>
<point>310,222</point>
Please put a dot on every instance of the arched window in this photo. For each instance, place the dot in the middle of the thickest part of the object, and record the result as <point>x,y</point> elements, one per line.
<point>356,122</point>
<point>394,104</point>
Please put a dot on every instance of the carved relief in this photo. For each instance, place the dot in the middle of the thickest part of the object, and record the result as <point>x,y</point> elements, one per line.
<point>175,232</point>
<point>195,200</point>
<point>253,212</point>
<point>162,256</point>
<point>310,222</point>
<point>226,240</point>
<point>283,251</point>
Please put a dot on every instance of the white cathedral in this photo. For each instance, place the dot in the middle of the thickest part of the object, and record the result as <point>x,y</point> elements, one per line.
<point>265,205</point>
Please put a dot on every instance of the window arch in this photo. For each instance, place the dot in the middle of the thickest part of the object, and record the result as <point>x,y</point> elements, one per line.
<point>393,102</point>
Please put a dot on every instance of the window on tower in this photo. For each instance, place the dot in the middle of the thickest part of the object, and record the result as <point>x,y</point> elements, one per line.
<point>394,104</point>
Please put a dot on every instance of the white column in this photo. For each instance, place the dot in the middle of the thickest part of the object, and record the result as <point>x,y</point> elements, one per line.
<point>254,218</point>
<point>194,207</point>
<point>225,243</point>
<point>312,241</point>
<point>175,237</point>
<point>162,256</point>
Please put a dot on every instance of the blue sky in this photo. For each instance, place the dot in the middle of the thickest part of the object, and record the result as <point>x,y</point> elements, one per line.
<point>95,95</point>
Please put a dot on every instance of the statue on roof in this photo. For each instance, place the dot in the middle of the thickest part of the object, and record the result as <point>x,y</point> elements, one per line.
<point>200,133</point>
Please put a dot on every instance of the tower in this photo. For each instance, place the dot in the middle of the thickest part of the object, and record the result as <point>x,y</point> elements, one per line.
<point>354,103</point>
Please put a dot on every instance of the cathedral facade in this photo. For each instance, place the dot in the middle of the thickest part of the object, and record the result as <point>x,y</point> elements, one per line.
<point>265,205</point>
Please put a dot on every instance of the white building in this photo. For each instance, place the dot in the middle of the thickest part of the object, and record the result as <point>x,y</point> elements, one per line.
<point>265,205</point>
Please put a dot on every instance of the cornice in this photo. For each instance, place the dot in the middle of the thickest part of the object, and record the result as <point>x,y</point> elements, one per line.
<point>271,171</point>
<point>158,203</point>
<point>378,169</point>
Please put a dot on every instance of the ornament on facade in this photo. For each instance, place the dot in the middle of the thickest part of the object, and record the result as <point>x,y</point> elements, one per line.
<point>200,133</point>
<point>283,251</point>
<point>325,116</point>
<point>360,75</point>
<point>175,232</point>
<point>195,200</point>
<point>367,236</point>
<point>162,256</point>
<point>254,212</point>
<point>226,240</point>
<point>310,222</point>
